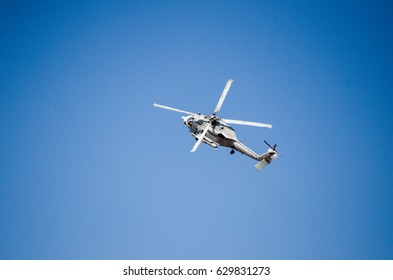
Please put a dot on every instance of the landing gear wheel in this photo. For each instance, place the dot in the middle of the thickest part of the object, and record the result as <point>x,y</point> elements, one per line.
<point>232,152</point>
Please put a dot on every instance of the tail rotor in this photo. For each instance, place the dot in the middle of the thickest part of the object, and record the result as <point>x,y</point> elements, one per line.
<point>271,147</point>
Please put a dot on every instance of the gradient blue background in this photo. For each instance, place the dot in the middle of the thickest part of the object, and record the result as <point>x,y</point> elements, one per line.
<point>91,170</point>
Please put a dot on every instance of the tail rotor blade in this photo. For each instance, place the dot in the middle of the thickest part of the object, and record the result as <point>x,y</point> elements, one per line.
<point>222,97</point>
<point>200,138</point>
<point>172,109</point>
<point>267,144</point>
<point>273,148</point>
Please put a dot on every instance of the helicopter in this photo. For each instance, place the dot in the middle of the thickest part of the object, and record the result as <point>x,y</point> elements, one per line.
<point>215,131</point>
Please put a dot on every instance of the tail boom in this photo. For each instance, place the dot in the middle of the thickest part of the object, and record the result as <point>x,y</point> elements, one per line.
<point>263,160</point>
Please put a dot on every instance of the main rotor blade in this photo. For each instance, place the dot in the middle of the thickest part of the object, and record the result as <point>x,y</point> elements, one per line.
<point>200,138</point>
<point>222,97</point>
<point>248,123</point>
<point>172,109</point>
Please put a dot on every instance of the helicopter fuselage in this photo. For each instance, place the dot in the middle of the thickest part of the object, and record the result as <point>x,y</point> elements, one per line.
<point>218,134</point>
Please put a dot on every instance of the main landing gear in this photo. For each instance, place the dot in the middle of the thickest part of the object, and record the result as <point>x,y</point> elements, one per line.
<point>232,152</point>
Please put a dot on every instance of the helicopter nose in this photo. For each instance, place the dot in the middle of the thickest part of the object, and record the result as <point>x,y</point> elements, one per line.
<point>186,120</point>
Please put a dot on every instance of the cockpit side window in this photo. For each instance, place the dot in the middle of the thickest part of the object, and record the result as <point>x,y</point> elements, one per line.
<point>227,126</point>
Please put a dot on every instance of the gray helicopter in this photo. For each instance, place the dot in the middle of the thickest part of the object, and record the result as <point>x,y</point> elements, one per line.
<point>216,132</point>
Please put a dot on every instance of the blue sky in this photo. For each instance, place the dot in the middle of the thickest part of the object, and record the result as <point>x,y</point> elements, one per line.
<point>91,170</point>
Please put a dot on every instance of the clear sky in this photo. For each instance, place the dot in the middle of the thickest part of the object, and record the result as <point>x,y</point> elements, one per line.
<point>91,170</point>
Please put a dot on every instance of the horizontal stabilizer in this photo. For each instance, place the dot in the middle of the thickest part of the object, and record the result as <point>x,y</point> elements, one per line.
<point>261,164</point>
<point>266,159</point>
